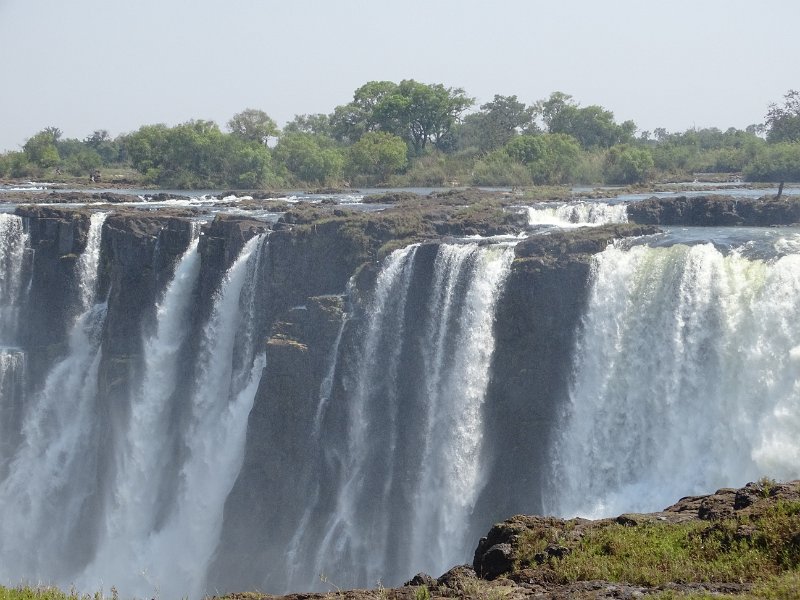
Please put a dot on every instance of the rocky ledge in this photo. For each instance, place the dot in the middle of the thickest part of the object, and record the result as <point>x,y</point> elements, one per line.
<point>715,211</point>
<point>734,543</point>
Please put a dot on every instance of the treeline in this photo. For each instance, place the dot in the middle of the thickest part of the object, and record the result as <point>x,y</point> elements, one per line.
<point>411,133</point>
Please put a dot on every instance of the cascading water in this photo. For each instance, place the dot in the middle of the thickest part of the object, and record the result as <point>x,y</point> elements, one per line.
<point>410,466</point>
<point>53,471</point>
<point>686,378</point>
<point>577,214</point>
<point>170,559</point>
<point>72,516</point>
<point>13,244</point>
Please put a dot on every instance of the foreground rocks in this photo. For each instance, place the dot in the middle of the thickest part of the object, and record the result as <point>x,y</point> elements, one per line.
<point>505,567</point>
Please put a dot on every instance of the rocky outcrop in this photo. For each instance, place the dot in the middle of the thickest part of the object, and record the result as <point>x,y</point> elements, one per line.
<point>522,557</point>
<point>535,326</point>
<point>57,238</point>
<point>714,211</point>
<point>283,434</point>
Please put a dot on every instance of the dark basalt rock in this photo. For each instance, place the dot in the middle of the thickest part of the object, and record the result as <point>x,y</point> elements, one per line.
<point>535,327</point>
<point>57,238</point>
<point>715,211</point>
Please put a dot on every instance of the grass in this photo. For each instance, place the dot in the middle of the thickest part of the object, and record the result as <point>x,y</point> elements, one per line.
<point>745,549</point>
<point>48,593</point>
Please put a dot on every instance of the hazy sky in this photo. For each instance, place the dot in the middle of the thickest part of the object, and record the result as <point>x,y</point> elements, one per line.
<point>83,65</point>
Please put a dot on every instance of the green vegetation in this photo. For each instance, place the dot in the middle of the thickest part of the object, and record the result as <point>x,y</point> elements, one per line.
<point>740,549</point>
<point>48,593</point>
<point>417,134</point>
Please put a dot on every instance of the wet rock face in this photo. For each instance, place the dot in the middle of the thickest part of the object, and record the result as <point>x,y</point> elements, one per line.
<point>57,237</point>
<point>535,324</point>
<point>715,211</point>
<point>281,437</point>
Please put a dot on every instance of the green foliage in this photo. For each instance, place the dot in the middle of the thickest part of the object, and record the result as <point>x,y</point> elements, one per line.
<point>49,593</point>
<point>377,154</point>
<point>551,158</point>
<point>499,168</point>
<point>627,164</point>
<point>41,149</point>
<point>497,122</point>
<point>316,124</point>
<point>308,158</point>
<point>197,154</point>
<point>731,550</point>
<point>417,112</point>
<point>775,162</point>
<point>783,121</point>
<point>593,126</point>
<point>253,125</point>
<point>15,164</point>
<point>422,593</point>
<point>83,162</point>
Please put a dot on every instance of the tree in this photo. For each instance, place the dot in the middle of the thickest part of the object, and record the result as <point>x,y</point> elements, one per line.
<point>41,149</point>
<point>417,112</point>
<point>315,124</point>
<point>253,125</point>
<point>197,154</point>
<point>495,124</point>
<point>783,121</point>
<point>421,113</point>
<point>626,164</point>
<point>378,154</point>
<point>308,159</point>
<point>593,126</point>
<point>776,162</point>
<point>783,126</point>
<point>551,158</point>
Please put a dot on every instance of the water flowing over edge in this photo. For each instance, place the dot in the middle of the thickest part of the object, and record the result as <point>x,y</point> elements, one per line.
<point>686,377</point>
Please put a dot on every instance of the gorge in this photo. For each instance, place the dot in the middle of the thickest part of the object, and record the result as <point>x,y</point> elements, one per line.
<point>193,405</point>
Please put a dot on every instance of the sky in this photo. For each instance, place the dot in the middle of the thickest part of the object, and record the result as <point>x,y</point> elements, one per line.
<point>83,65</point>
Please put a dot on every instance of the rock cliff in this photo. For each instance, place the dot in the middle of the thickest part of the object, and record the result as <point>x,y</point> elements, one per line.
<point>715,211</point>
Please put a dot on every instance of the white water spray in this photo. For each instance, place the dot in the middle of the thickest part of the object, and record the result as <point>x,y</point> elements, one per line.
<point>458,352</point>
<point>171,561</point>
<point>446,331</point>
<point>52,472</point>
<point>13,243</point>
<point>687,379</point>
<point>577,214</point>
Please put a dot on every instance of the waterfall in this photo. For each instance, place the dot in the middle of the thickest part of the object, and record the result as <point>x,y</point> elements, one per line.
<point>146,517</point>
<point>458,350</point>
<point>140,467</point>
<point>170,560</point>
<point>13,243</point>
<point>577,214</point>
<point>409,469</point>
<point>686,377</point>
<point>12,389</point>
<point>53,472</point>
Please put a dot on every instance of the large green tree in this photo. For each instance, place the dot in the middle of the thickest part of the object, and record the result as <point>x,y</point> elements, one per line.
<point>783,128</point>
<point>309,159</point>
<point>377,154</point>
<point>42,150</point>
<point>495,124</point>
<point>593,126</point>
<point>417,112</point>
<point>253,125</point>
<point>551,158</point>
<point>783,120</point>
<point>780,162</point>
